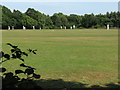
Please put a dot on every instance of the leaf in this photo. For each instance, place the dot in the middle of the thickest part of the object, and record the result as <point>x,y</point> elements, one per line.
<point>22,59</point>
<point>12,45</point>
<point>36,76</point>
<point>2,69</point>
<point>7,56</point>
<point>18,71</point>
<point>30,50</point>
<point>23,65</point>
<point>16,78</point>
<point>34,52</point>
<point>12,50</point>
<point>29,71</point>
<point>24,53</point>
<point>8,75</point>
<point>18,55</point>
<point>13,56</point>
<point>9,44</point>
<point>18,50</point>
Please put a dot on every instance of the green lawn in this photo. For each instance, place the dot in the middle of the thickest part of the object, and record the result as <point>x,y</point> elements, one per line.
<point>87,56</point>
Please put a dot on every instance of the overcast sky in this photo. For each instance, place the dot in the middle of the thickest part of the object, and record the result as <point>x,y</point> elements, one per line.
<point>65,6</point>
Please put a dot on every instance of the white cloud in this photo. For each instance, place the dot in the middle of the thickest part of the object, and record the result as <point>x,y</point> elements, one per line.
<point>59,0</point>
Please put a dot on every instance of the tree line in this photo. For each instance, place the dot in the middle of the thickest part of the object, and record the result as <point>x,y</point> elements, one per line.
<point>35,18</point>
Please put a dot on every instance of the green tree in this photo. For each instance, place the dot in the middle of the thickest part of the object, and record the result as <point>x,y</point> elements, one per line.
<point>88,21</point>
<point>74,20</point>
<point>23,20</point>
<point>48,22</point>
<point>28,21</point>
<point>56,21</point>
<point>39,17</point>
<point>6,17</point>
<point>59,19</point>
<point>0,16</point>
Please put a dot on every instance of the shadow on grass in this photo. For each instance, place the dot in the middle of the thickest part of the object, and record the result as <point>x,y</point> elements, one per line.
<point>51,84</point>
<point>57,84</point>
<point>68,85</point>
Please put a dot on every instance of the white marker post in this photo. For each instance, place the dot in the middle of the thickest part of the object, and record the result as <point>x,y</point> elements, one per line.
<point>8,27</point>
<point>33,27</point>
<point>108,27</point>
<point>65,27</point>
<point>12,27</point>
<point>60,27</point>
<point>73,26</point>
<point>24,28</point>
<point>40,28</point>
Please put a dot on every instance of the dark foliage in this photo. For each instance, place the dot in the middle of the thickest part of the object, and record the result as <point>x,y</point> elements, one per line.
<point>11,79</point>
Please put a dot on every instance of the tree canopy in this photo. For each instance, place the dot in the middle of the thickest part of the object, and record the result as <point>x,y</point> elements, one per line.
<point>35,18</point>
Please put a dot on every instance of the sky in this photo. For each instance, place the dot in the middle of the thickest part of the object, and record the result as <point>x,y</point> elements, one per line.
<point>59,0</point>
<point>79,7</point>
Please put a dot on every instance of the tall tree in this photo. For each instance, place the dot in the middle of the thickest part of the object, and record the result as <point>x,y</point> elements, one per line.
<point>88,21</point>
<point>6,17</point>
<point>59,19</point>
<point>23,20</point>
<point>48,22</point>
<point>39,17</point>
<point>74,20</point>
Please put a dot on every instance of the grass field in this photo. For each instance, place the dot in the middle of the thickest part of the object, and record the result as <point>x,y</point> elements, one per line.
<point>87,56</point>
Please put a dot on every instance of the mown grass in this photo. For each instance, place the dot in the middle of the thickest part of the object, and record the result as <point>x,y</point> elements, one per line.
<point>88,56</point>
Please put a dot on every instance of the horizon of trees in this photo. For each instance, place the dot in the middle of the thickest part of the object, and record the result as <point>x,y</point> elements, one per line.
<point>35,18</point>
